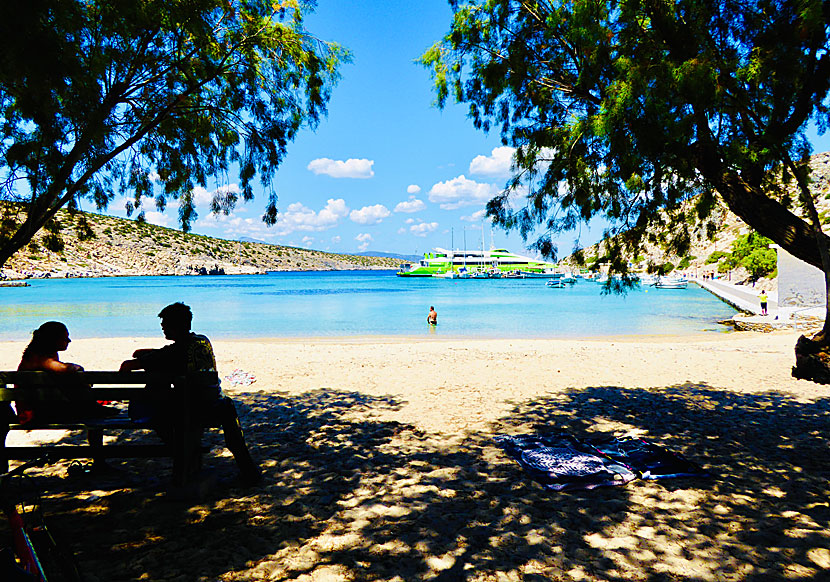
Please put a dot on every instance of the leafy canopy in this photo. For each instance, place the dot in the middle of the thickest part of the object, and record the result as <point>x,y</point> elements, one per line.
<point>150,98</point>
<point>628,109</point>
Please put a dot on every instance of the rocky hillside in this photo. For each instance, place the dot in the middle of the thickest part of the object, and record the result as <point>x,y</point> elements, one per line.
<point>729,227</point>
<point>115,246</point>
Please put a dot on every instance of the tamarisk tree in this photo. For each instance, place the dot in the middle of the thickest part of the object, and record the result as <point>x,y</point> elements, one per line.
<point>150,98</point>
<point>638,110</point>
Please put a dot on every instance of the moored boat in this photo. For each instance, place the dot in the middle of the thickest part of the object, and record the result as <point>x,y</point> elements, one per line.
<point>493,263</point>
<point>560,280</point>
<point>544,274</point>
<point>671,283</point>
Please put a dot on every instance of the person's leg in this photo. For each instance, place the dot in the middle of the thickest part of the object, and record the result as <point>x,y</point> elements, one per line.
<point>95,438</point>
<point>224,412</point>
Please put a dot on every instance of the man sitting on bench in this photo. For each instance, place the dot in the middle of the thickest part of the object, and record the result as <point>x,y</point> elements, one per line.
<point>189,353</point>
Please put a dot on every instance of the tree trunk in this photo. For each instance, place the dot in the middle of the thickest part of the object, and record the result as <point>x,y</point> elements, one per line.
<point>36,216</point>
<point>771,219</point>
<point>821,243</point>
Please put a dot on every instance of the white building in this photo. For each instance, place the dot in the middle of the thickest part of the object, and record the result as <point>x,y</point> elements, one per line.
<point>800,285</point>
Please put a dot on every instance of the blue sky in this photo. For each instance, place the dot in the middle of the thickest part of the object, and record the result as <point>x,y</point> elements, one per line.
<point>385,170</point>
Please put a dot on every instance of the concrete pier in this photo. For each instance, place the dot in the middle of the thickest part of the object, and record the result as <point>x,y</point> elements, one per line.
<point>745,299</point>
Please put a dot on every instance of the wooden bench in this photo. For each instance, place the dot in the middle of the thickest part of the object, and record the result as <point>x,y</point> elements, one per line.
<point>44,387</point>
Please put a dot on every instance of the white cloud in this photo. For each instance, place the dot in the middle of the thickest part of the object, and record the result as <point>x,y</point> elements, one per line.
<point>351,168</point>
<point>335,240</point>
<point>307,240</point>
<point>411,205</point>
<point>496,164</point>
<point>409,221</point>
<point>299,217</point>
<point>233,226</point>
<point>157,218</point>
<point>369,214</point>
<point>475,216</point>
<point>424,228</point>
<point>168,218</point>
<point>401,230</point>
<point>460,192</point>
<point>364,239</point>
<point>413,189</point>
<point>203,197</point>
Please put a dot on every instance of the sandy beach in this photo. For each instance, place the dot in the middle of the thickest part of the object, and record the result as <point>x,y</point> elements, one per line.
<point>380,464</point>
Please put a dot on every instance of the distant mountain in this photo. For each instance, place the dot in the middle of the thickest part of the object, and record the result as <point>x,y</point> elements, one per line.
<point>252,240</point>
<point>388,255</point>
<point>117,246</point>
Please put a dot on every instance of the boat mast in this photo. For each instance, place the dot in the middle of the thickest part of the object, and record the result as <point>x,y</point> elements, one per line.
<point>452,249</point>
<point>464,230</point>
<point>483,261</point>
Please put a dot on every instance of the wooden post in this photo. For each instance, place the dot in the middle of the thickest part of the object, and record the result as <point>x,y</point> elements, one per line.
<point>187,431</point>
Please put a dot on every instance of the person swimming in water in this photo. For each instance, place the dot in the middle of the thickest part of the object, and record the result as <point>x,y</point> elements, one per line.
<point>432,318</point>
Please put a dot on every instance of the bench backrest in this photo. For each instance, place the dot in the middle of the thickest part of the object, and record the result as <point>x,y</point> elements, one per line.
<point>104,385</point>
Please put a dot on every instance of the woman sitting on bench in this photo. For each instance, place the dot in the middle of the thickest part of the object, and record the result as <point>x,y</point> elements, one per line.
<point>42,355</point>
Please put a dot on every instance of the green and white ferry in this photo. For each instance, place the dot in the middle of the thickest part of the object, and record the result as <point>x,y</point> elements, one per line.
<point>476,264</point>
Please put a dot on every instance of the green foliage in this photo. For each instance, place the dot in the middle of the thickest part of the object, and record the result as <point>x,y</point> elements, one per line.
<point>760,263</point>
<point>83,229</point>
<point>665,268</point>
<point>752,252</point>
<point>151,99</point>
<point>715,257</point>
<point>685,262</point>
<point>53,242</point>
<point>628,110</point>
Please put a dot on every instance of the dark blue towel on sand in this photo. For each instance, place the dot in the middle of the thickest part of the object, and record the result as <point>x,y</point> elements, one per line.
<point>562,462</point>
<point>648,460</point>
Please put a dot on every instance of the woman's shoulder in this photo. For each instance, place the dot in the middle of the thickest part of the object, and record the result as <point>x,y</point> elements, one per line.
<point>37,362</point>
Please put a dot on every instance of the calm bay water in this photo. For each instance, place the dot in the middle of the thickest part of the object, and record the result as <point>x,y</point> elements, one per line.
<point>350,303</point>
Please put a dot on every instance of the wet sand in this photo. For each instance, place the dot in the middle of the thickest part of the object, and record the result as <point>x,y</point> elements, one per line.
<point>380,464</point>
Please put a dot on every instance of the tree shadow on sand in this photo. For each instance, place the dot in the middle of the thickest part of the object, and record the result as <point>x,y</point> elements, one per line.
<point>350,496</point>
<point>762,515</point>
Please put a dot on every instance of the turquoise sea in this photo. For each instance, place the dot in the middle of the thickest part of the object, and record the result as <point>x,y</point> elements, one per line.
<point>355,303</point>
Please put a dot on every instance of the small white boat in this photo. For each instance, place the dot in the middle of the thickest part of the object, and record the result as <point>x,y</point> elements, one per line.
<point>671,283</point>
<point>538,274</point>
<point>557,281</point>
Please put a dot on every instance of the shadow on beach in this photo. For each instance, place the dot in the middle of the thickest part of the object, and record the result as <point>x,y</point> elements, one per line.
<point>348,496</point>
